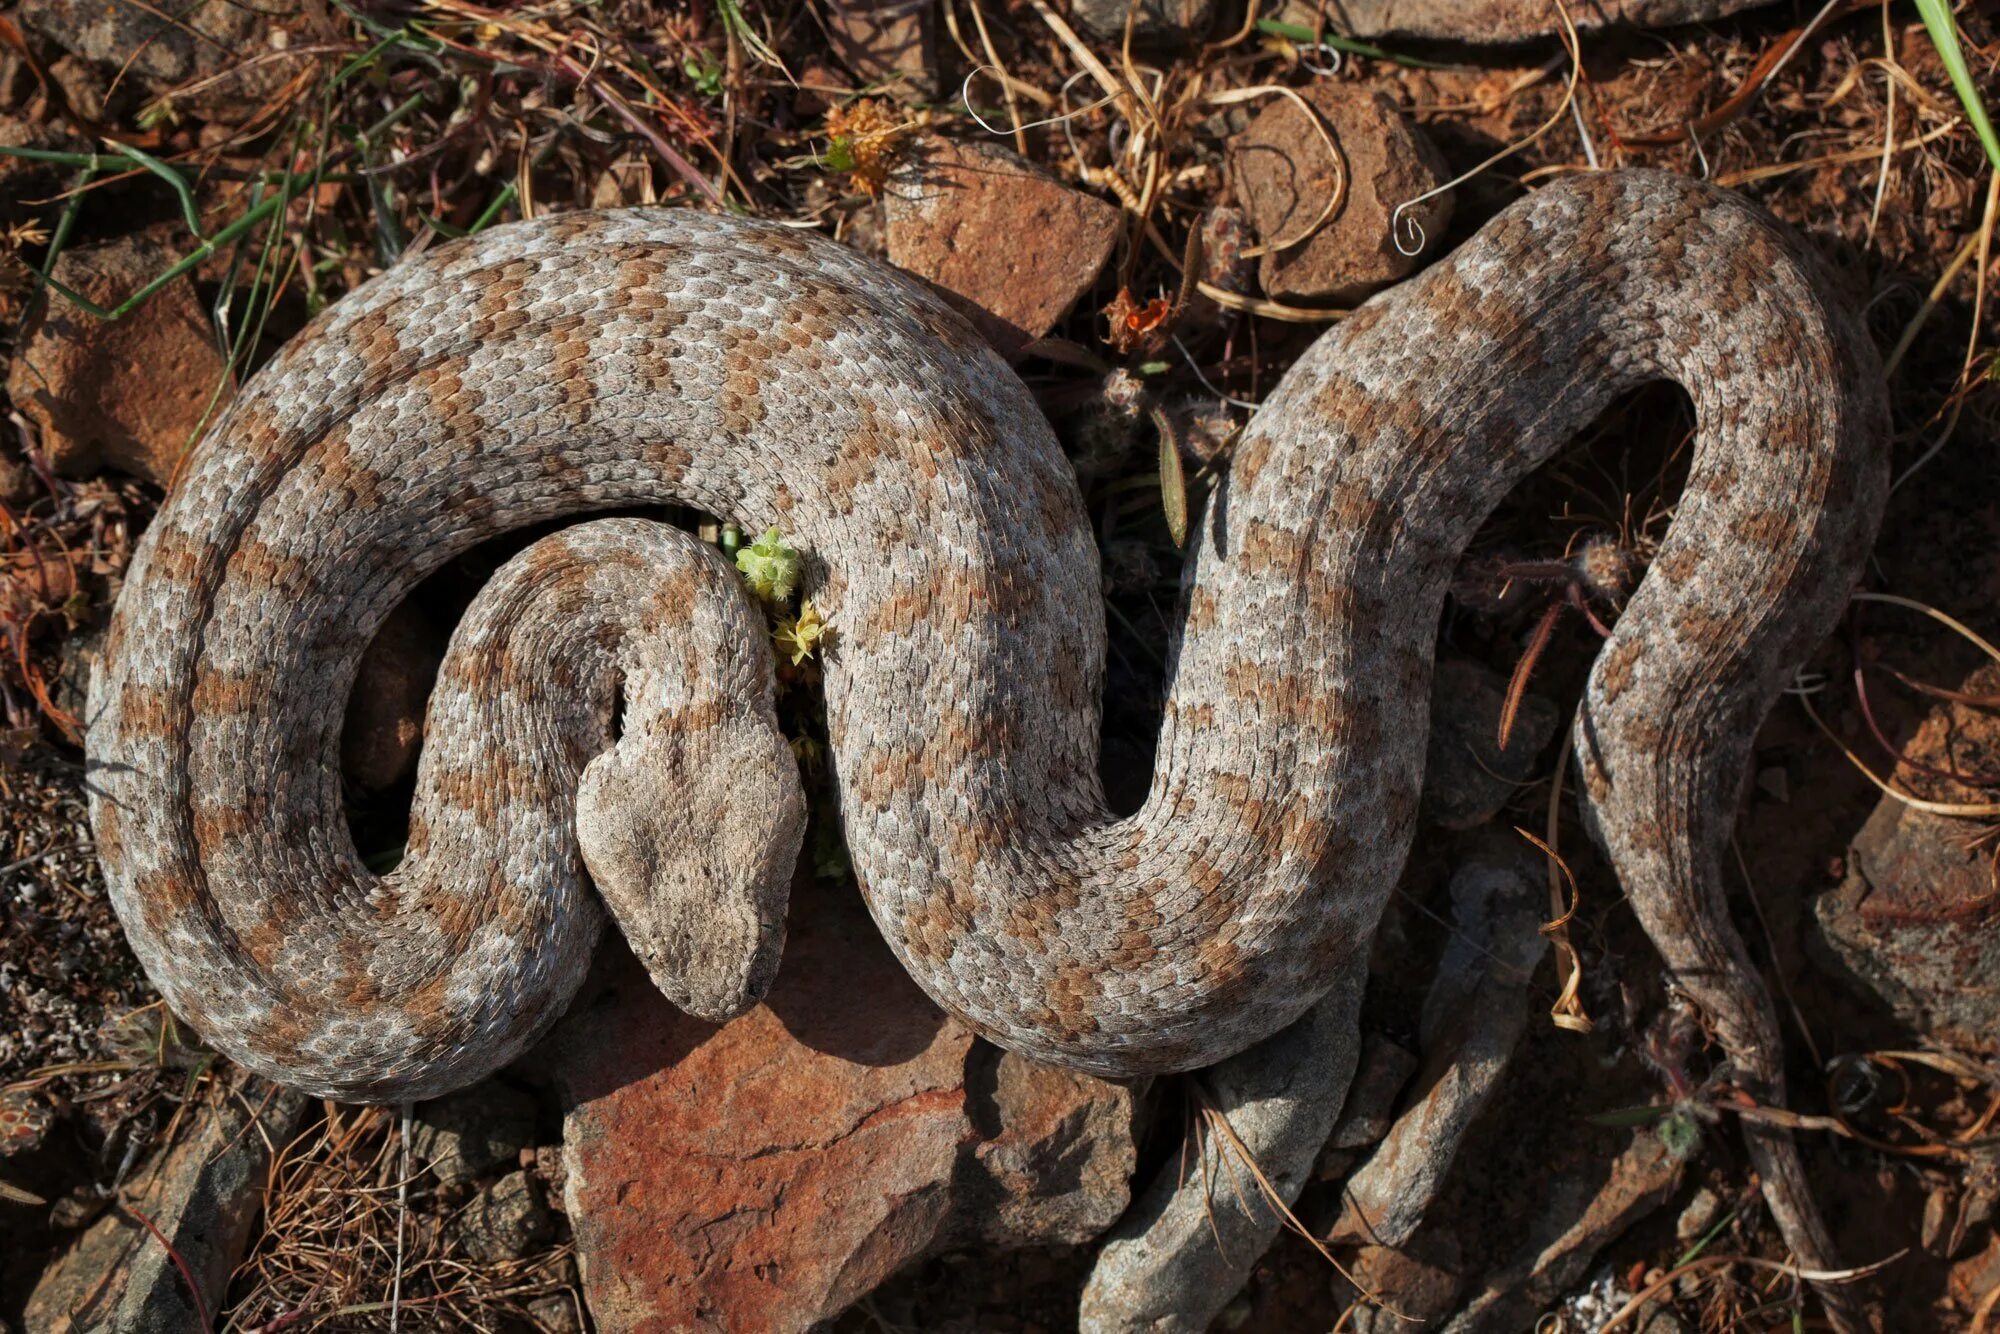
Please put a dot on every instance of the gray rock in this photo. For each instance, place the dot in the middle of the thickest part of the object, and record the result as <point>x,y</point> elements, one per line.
<point>1473,1017</point>
<point>203,1192</point>
<point>1188,1244</point>
<point>1564,1238</point>
<point>161,48</point>
<point>1486,21</point>
<point>1057,1165</point>
<point>474,1131</point>
<point>505,1221</point>
<point>1467,777</point>
<point>1153,21</point>
<point>1914,920</point>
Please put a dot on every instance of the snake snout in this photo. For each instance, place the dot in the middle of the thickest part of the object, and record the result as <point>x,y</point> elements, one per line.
<point>691,836</point>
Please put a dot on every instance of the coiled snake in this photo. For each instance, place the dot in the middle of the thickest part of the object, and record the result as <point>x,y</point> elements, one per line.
<point>591,360</point>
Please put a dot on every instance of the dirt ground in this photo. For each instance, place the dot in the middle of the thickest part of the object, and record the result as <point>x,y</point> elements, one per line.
<point>1857,139</point>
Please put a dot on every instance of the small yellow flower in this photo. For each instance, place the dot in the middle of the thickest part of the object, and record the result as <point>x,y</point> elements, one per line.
<point>801,636</point>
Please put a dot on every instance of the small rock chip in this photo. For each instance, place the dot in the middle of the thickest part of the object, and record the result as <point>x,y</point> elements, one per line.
<point>385,712</point>
<point>470,1133</point>
<point>1015,246</point>
<point>128,394</point>
<point>506,1221</point>
<point>888,42</point>
<point>781,1166</point>
<point>1284,176</point>
<point>1467,777</point>
<point>1153,21</point>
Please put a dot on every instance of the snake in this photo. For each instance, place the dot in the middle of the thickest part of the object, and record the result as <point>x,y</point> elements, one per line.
<point>601,739</point>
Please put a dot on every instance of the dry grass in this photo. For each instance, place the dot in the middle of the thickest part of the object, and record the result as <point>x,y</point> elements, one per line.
<point>355,1236</point>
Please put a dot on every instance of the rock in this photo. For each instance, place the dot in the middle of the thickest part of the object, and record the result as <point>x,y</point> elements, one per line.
<point>1697,1217</point>
<point>1014,246</point>
<point>557,1313</point>
<point>470,1133</point>
<point>385,712</point>
<point>1284,176</point>
<point>1421,1281</point>
<point>24,179</point>
<point>1153,21</point>
<point>1504,20</point>
<point>1473,1017</point>
<point>505,1221</point>
<point>161,50</point>
<point>1386,1067</point>
<point>781,1166</point>
<point>887,42</point>
<point>1915,915</point>
<point>1467,777</point>
<point>1189,1243</point>
<point>1055,1164</point>
<point>127,394</point>
<point>203,1192</point>
<point>1563,1239</point>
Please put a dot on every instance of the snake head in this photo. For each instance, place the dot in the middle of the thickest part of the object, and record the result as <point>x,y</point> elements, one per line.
<point>691,834</point>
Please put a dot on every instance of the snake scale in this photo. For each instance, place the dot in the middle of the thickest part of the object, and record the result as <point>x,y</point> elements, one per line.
<point>602,730</point>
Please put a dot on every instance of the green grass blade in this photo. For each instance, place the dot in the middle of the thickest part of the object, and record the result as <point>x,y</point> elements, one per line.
<point>1944,35</point>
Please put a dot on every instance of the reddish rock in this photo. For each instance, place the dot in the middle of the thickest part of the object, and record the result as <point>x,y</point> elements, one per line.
<point>127,394</point>
<point>385,712</point>
<point>1915,917</point>
<point>1014,246</point>
<point>1284,176</point>
<point>767,1173</point>
<point>892,43</point>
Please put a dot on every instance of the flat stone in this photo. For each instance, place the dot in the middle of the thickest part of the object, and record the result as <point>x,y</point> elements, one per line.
<point>128,394</point>
<point>1563,1240</point>
<point>203,1192</point>
<point>1011,245</point>
<point>892,43</point>
<point>1284,176</point>
<point>162,49</point>
<point>1499,21</point>
<point>1467,777</point>
<point>1153,21</point>
<point>1473,1018</point>
<point>767,1173</point>
<point>1914,917</point>
<point>474,1131</point>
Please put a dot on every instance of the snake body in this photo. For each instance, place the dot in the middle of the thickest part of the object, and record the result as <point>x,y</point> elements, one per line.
<point>603,715</point>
